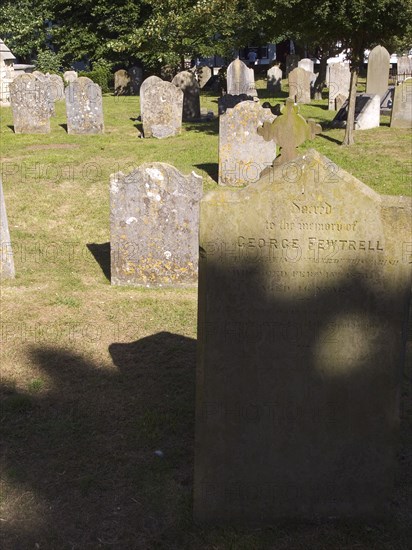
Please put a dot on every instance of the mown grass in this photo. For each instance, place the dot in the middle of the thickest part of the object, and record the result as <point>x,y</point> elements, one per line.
<point>96,380</point>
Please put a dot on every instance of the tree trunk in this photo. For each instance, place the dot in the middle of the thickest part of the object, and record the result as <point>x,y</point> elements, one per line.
<point>350,122</point>
<point>321,78</point>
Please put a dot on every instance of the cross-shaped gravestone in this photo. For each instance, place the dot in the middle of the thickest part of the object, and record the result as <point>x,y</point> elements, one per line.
<point>288,131</point>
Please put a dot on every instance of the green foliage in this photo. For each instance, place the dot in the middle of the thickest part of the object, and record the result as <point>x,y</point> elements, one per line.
<point>48,62</point>
<point>101,74</point>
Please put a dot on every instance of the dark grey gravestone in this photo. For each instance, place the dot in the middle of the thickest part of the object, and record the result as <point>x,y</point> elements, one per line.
<point>6,258</point>
<point>149,81</point>
<point>154,223</point>
<point>304,288</point>
<point>292,61</point>
<point>163,105</point>
<point>84,107</point>
<point>186,81</point>
<point>30,102</point>
<point>136,78</point>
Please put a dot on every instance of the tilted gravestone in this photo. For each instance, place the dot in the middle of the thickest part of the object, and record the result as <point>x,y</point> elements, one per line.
<point>378,71</point>
<point>186,81</point>
<point>292,61</point>
<point>304,282</point>
<point>243,153</point>
<point>339,83</point>
<point>6,258</point>
<point>274,79</point>
<point>299,85</point>
<point>30,102</point>
<point>121,82</point>
<point>163,105</point>
<point>70,76</point>
<point>154,223</point>
<point>204,74</point>
<point>402,105</point>
<point>367,113</point>
<point>240,79</point>
<point>149,81</point>
<point>136,77</point>
<point>84,107</point>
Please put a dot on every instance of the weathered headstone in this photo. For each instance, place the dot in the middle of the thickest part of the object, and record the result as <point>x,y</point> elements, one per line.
<point>50,98</point>
<point>30,103</point>
<point>84,107</point>
<point>121,82</point>
<point>306,64</point>
<point>149,81</point>
<point>402,105</point>
<point>292,61</point>
<point>6,257</point>
<point>56,85</point>
<point>404,67</point>
<point>229,101</point>
<point>378,71</point>
<point>204,74</point>
<point>186,81</point>
<point>339,83</point>
<point>163,105</point>
<point>339,101</point>
<point>299,85</point>
<point>367,113</point>
<point>154,223</point>
<point>243,153</point>
<point>136,77</point>
<point>70,76</point>
<point>240,79</point>
<point>288,131</point>
<point>274,79</point>
<point>304,282</point>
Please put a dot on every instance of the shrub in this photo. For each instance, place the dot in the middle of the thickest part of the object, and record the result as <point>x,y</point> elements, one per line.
<point>48,62</point>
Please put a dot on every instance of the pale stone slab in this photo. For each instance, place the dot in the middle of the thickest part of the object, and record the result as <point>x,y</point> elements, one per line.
<point>378,71</point>
<point>240,79</point>
<point>304,283</point>
<point>307,64</point>
<point>402,105</point>
<point>274,79</point>
<point>6,257</point>
<point>30,102</point>
<point>121,82</point>
<point>154,223</point>
<point>367,113</point>
<point>70,76</point>
<point>404,67</point>
<point>149,81</point>
<point>186,81</point>
<point>243,153</point>
<point>163,105</point>
<point>339,83</point>
<point>84,107</point>
<point>299,85</point>
<point>292,61</point>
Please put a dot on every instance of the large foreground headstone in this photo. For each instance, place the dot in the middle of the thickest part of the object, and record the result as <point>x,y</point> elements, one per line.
<point>84,107</point>
<point>240,79</point>
<point>339,83</point>
<point>402,105</point>
<point>304,282</point>
<point>147,82</point>
<point>299,85</point>
<point>243,153</point>
<point>186,81</point>
<point>6,254</point>
<point>154,222</point>
<point>378,71</point>
<point>163,106</point>
<point>30,102</point>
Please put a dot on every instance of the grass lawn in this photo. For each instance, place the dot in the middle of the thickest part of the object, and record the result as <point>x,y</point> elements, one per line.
<point>96,380</point>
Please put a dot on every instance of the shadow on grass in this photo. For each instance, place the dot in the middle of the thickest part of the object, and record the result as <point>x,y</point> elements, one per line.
<point>101,253</point>
<point>11,128</point>
<point>329,138</point>
<point>210,127</point>
<point>104,457</point>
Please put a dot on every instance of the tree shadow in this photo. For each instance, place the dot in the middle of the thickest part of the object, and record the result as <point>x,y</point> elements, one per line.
<point>101,253</point>
<point>329,138</point>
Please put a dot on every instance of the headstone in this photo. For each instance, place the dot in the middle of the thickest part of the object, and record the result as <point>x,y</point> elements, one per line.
<point>404,67</point>
<point>367,113</point>
<point>304,283</point>
<point>149,81</point>
<point>387,101</point>
<point>339,101</point>
<point>6,258</point>
<point>292,61</point>
<point>243,153</point>
<point>154,223</point>
<point>402,105</point>
<point>204,74</point>
<point>56,87</point>
<point>307,64</point>
<point>46,80</point>
<point>136,77</point>
<point>274,79</point>
<point>228,101</point>
<point>121,82</point>
<point>84,107</point>
<point>240,79</point>
<point>163,105</point>
<point>299,85</point>
<point>339,83</point>
<point>186,81</point>
<point>30,103</point>
<point>70,76</point>
<point>288,131</point>
<point>378,71</point>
